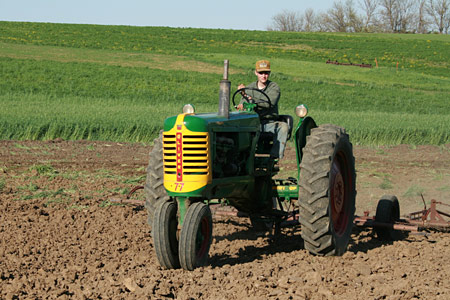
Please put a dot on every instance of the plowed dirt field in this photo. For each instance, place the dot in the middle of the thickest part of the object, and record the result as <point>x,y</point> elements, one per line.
<point>61,237</point>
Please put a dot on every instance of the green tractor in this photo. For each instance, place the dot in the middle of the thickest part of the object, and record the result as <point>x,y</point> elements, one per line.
<point>223,157</point>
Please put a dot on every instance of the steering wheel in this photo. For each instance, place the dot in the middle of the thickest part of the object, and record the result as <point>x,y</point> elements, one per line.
<point>242,91</point>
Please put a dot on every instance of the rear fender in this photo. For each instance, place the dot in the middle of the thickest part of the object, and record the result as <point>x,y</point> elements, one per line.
<point>301,132</point>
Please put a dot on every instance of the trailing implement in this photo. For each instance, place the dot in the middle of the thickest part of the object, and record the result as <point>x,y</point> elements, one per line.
<point>224,157</point>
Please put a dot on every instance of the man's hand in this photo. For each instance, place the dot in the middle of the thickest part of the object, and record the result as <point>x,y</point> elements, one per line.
<point>241,86</point>
<point>246,97</point>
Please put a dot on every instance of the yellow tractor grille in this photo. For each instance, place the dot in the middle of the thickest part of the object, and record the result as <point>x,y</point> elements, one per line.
<point>185,154</point>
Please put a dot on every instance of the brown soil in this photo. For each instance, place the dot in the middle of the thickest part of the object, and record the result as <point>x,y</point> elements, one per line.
<point>62,238</point>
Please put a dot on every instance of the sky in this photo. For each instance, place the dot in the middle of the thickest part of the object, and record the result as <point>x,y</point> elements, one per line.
<point>228,14</point>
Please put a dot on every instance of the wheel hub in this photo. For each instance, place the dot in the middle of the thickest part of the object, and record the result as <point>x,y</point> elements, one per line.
<point>338,198</point>
<point>338,192</point>
<point>202,242</point>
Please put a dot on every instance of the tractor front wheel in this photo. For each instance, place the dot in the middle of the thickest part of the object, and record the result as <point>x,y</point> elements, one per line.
<point>195,236</point>
<point>327,191</point>
<point>165,239</point>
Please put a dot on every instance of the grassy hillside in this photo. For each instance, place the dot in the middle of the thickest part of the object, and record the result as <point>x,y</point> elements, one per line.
<point>119,83</point>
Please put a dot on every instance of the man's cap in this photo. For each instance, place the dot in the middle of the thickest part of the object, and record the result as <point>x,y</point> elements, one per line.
<point>262,65</point>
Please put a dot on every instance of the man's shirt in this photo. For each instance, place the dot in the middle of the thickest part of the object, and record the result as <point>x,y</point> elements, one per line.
<point>273,91</point>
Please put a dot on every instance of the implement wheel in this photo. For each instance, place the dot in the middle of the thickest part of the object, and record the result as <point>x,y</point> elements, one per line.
<point>195,236</point>
<point>154,185</point>
<point>165,226</point>
<point>388,211</point>
<point>327,191</point>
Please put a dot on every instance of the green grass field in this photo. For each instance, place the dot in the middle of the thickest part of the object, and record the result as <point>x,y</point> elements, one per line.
<point>119,83</point>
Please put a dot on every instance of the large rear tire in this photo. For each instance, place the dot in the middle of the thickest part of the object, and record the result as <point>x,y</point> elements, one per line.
<point>327,191</point>
<point>154,185</point>
<point>195,236</point>
<point>165,226</point>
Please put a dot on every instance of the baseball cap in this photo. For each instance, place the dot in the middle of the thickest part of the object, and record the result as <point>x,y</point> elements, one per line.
<point>262,65</point>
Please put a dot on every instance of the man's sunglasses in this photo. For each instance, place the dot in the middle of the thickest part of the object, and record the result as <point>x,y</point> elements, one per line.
<point>264,72</point>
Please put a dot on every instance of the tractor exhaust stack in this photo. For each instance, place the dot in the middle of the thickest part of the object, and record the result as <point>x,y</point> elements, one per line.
<point>224,93</point>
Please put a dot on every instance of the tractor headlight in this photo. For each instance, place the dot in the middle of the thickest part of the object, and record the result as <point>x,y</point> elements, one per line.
<point>188,109</point>
<point>301,110</point>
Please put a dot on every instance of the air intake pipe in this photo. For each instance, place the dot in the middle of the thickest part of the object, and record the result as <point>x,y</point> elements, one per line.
<point>224,93</point>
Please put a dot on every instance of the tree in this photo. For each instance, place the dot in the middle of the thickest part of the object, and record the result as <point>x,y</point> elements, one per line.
<point>397,14</point>
<point>389,14</point>
<point>342,18</point>
<point>354,21</point>
<point>291,21</point>
<point>447,23</point>
<point>336,18</point>
<point>286,21</point>
<point>369,19</point>
<point>309,20</point>
<point>439,12</point>
<point>421,19</point>
<point>323,23</point>
<point>407,13</point>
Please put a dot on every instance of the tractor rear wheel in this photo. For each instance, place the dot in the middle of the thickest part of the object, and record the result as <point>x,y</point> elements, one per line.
<point>165,239</point>
<point>327,191</point>
<point>195,236</point>
<point>154,185</point>
<point>388,211</point>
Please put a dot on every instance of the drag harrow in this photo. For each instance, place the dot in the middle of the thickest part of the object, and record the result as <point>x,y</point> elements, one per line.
<point>388,224</point>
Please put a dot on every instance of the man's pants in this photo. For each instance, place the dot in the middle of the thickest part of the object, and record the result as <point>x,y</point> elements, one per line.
<point>280,131</point>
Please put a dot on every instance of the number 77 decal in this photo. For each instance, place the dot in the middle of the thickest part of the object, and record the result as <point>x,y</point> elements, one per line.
<point>179,186</point>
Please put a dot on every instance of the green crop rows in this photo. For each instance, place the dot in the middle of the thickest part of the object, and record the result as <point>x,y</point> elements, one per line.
<point>119,83</point>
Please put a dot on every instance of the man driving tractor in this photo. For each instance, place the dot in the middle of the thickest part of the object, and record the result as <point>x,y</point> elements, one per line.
<point>202,159</point>
<point>267,108</point>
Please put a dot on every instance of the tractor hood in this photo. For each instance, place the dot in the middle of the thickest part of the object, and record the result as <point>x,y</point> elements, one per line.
<point>237,121</point>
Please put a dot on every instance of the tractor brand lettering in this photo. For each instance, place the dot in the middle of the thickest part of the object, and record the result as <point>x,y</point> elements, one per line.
<point>179,143</point>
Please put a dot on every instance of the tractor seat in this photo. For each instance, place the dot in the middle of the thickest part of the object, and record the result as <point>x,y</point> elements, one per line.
<point>266,138</point>
<point>290,122</point>
<point>281,118</point>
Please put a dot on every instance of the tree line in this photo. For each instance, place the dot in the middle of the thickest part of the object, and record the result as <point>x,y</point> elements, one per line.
<point>394,16</point>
